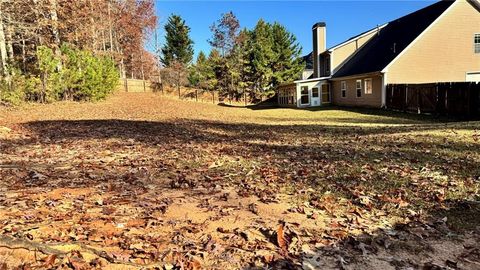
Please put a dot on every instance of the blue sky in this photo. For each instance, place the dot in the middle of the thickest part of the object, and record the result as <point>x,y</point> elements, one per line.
<point>343,18</point>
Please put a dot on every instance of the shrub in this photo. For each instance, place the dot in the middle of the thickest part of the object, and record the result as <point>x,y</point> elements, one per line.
<point>73,75</point>
<point>18,88</point>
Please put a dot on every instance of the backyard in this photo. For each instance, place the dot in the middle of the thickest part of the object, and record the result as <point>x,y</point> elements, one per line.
<point>147,181</point>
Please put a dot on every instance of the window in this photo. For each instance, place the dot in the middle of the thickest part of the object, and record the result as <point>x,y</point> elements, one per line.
<point>304,98</point>
<point>368,86</point>
<point>344,88</point>
<point>326,66</point>
<point>325,93</point>
<point>315,92</point>
<point>359,88</point>
<point>476,42</point>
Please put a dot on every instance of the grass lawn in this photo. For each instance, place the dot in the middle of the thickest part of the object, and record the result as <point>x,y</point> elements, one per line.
<point>143,181</point>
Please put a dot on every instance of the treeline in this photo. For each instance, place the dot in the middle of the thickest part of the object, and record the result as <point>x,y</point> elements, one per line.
<point>63,49</point>
<point>243,63</point>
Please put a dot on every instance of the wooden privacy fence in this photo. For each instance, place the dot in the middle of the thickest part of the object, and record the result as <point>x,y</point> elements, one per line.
<point>457,98</point>
<point>134,85</point>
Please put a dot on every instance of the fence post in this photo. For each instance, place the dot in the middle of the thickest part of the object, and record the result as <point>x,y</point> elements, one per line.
<point>419,101</point>
<point>126,84</point>
<point>406,98</point>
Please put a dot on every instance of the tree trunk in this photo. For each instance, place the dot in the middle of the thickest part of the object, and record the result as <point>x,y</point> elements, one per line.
<point>178,84</point>
<point>56,34</point>
<point>143,71</point>
<point>3,45</point>
<point>94,32</point>
<point>110,27</point>
<point>9,42</point>
<point>44,88</point>
<point>245,97</point>
<point>24,56</point>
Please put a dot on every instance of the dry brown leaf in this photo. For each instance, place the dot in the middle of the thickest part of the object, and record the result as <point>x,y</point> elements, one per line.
<point>281,240</point>
<point>49,261</point>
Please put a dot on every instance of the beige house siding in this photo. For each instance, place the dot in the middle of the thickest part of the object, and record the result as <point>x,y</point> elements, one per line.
<point>351,99</point>
<point>444,53</point>
<point>339,55</point>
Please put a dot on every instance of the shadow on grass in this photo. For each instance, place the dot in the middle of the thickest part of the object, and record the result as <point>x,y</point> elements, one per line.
<point>322,157</point>
<point>406,245</point>
<point>293,143</point>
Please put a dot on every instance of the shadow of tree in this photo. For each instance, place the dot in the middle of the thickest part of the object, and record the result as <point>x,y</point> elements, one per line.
<point>393,162</point>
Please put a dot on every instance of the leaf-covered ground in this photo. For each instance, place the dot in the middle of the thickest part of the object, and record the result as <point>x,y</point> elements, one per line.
<point>142,181</point>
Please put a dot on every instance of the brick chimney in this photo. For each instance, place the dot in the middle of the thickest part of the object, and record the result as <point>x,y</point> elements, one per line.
<point>319,45</point>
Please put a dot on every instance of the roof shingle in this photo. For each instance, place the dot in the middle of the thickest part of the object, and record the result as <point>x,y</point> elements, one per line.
<point>391,40</point>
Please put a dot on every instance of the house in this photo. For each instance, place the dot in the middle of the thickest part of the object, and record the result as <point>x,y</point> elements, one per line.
<point>439,43</point>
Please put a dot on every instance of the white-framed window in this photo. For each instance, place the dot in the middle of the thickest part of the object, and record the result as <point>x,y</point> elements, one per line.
<point>315,92</point>
<point>343,88</point>
<point>304,97</point>
<point>368,86</point>
<point>359,88</point>
<point>476,42</point>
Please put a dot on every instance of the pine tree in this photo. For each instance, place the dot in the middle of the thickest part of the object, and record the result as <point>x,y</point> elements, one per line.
<point>286,65</point>
<point>241,70</point>
<point>261,56</point>
<point>201,70</point>
<point>178,45</point>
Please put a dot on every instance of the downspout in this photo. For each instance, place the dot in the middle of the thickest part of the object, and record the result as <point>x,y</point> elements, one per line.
<point>384,89</point>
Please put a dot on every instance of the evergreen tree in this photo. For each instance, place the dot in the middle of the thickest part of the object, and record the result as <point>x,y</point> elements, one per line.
<point>287,64</point>
<point>201,70</point>
<point>178,45</point>
<point>242,72</point>
<point>261,56</point>
<point>212,70</point>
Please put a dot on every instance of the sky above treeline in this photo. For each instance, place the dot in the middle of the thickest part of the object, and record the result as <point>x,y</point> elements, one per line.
<point>344,19</point>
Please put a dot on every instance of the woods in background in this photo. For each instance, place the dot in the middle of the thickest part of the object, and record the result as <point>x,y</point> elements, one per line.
<point>243,64</point>
<point>76,50</point>
<point>62,49</point>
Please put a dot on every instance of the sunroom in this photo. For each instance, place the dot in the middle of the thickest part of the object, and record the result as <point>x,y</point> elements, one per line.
<point>313,92</point>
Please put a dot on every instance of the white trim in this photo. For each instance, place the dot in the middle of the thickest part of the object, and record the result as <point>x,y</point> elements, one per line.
<point>313,80</point>
<point>355,76</point>
<point>308,95</point>
<point>357,38</point>
<point>324,40</point>
<point>419,36</point>
<point>356,88</point>
<point>342,83</point>
<point>471,73</point>
<point>384,89</point>
<point>365,86</point>
<point>475,44</point>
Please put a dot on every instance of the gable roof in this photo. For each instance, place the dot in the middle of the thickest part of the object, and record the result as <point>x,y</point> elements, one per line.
<point>391,40</point>
<point>308,60</point>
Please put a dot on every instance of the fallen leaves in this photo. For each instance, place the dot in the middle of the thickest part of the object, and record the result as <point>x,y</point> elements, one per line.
<point>281,240</point>
<point>173,187</point>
